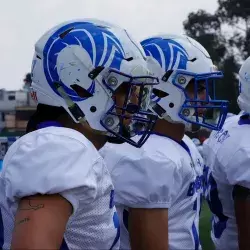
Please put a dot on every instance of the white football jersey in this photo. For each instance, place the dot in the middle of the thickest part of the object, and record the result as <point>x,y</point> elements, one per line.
<point>57,160</point>
<point>227,158</point>
<point>160,174</point>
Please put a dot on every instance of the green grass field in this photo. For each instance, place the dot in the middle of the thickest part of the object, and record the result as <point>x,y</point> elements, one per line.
<point>205,228</point>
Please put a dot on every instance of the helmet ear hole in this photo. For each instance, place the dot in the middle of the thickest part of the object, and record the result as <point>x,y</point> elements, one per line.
<point>171,105</point>
<point>93,109</point>
<point>81,91</point>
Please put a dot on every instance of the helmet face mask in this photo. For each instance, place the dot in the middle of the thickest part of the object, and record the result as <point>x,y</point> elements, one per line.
<point>79,65</point>
<point>188,83</point>
<point>130,107</point>
<point>201,101</point>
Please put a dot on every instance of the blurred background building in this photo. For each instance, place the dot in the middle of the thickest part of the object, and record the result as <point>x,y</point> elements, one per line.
<point>15,109</point>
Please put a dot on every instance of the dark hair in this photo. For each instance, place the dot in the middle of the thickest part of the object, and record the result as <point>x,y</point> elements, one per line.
<point>44,113</point>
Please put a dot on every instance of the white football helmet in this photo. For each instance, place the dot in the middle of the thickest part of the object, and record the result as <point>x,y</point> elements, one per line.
<point>79,64</point>
<point>244,87</point>
<point>179,60</point>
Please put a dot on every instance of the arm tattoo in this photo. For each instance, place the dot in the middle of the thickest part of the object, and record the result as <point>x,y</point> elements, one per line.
<point>28,204</point>
<point>31,204</point>
<point>22,221</point>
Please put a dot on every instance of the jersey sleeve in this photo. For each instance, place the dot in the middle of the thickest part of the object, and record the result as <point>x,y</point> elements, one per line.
<point>51,164</point>
<point>238,169</point>
<point>149,181</point>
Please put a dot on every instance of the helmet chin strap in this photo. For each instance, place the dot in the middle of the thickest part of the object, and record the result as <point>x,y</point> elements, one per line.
<point>125,133</point>
<point>74,109</point>
<point>193,128</point>
<point>78,114</point>
<point>189,127</point>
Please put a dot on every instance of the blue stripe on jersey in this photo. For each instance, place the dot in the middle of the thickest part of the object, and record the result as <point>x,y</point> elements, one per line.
<point>48,124</point>
<point>196,237</point>
<point>125,218</point>
<point>117,227</point>
<point>1,231</point>
<point>185,146</point>
<point>195,206</point>
<point>64,245</point>
<point>112,195</point>
<point>244,120</point>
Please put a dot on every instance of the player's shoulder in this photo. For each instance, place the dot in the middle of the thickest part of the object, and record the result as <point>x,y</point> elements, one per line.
<point>156,150</point>
<point>165,147</point>
<point>114,153</point>
<point>153,164</point>
<point>49,160</point>
<point>143,177</point>
<point>61,134</point>
<point>51,139</point>
<point>232,136</point>
<point>230,142</point>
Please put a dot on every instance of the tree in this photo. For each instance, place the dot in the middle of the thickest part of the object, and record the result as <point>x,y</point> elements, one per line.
<point>229,86</point>
<point>26,87</point>
<point>233,11</point>
<point>206,29</point>
<point>236,14</point>
<point>27,81</point>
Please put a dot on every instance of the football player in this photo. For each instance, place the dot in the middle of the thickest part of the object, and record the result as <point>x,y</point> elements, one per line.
<point>158,187</point>
<point>91,82</point>
<point>227,158</point>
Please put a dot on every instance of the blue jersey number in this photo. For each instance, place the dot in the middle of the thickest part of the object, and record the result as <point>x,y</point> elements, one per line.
<point>212,197</point>
<point>115,220</point>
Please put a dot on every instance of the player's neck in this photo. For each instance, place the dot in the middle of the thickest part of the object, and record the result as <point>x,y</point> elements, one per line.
<point>173,130</point>
<point>97,139</point>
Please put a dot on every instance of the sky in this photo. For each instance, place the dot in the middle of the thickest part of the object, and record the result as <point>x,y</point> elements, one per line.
<point>23,22</point>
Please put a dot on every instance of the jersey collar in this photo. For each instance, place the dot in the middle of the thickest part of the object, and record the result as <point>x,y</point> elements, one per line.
<point>48,124</point>
<point>244,119</point>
